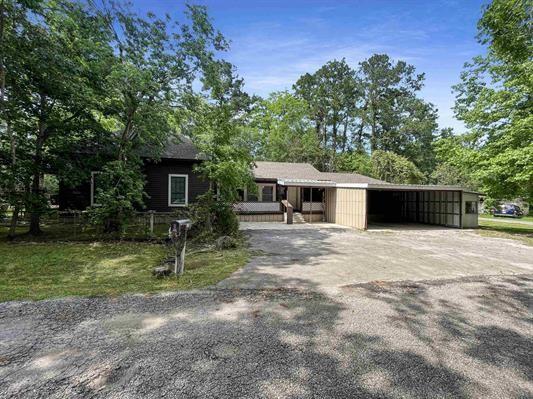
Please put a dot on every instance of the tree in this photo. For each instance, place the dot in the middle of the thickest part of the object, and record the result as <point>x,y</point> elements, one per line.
<point>156,63</point>
<point>392,116</point>
<point>494,101</point>
<point>218,125</point>
<point>52,71</point>
<point>285,132</point>
<point>455,159</point>
<point>356,162</point>
<point>373,108</point>
<point>448,174</point>
<point>332,93</point>
<point>394,168</point>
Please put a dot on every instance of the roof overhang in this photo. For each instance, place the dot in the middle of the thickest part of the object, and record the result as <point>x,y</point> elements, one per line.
<point>306,183</point>
<point>415,187</point>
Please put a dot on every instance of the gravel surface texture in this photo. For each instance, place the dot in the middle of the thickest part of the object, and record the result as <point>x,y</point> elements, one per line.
<point>323,256</point>
<point>457,338</point>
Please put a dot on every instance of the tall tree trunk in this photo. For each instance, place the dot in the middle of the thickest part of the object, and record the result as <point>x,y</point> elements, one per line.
<point>373,133</point>
<point>345,136</point>
<point>35,215</point>
<point>13,188</point>
<point>360,144</point>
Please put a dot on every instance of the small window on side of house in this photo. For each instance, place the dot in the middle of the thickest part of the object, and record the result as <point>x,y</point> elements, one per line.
<point>240,194</point>
<point>471,207</point>
<point>177,190</point>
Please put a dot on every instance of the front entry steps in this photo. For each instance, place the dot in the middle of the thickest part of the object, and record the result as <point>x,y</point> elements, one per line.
<point>297,218</point>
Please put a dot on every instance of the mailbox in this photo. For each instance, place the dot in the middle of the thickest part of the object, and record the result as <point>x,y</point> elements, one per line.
<point>178,227</point>
<point>177,232</point>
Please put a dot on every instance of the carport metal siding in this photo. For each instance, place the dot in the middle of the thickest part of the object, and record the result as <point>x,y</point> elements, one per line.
<point>430,207</point>
<point>347,207</point>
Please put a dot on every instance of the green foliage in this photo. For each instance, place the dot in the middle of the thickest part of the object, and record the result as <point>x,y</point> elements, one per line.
<point>392,116</point>
<point>394,168</point>
<point>494,100</point>
<point>332,95</point>
<point>211,218</point>
<point>53,68</point>
<point>338,115</point>
<point>284,130</point>
<point>119,192</point>
<point>357,162</point>
<point>448,174</point>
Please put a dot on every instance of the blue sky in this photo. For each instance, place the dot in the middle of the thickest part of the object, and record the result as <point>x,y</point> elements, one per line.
<point>273,42</point>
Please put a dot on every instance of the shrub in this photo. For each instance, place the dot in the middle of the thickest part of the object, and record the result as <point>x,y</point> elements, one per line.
<point>211,218</point>
<point>119,191</point>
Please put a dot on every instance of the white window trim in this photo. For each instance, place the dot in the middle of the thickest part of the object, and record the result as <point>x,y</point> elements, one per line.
<point>93,173</point>
<point>170,176</point>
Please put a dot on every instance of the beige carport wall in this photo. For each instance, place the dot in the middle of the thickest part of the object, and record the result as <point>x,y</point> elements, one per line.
<point>347,207</point>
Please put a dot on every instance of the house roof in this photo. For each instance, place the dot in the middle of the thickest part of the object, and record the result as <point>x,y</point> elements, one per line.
<point>178,148</point>
<point>303,172</point>
<point>350,178</point>
<point>286,170</point>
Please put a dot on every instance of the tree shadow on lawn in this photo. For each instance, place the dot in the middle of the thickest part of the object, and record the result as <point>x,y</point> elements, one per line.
<point>375,342</point>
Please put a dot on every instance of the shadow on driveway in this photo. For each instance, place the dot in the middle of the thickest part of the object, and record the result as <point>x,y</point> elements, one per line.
<point>454,339</point>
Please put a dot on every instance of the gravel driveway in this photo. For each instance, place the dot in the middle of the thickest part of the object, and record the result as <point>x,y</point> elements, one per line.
<point>456,337</point>
<point>325,256</point>
<point>462,338</point>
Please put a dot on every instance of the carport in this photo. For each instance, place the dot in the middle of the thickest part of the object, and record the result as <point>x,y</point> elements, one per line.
<point>438,207</point>
<point>361,205</point>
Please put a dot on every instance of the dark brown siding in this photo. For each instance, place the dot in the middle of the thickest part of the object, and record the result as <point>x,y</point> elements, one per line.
<point>157,183</point>
<point>77,198</point>
<point>156,187</point>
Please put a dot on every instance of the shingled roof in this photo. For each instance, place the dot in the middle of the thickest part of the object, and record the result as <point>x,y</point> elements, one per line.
<point>305,171</point>
<point>178,148</point>
<point>350,178</point>
<point>285,170</point>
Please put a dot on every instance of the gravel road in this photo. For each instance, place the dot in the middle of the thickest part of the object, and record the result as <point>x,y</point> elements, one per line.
<point>459,338</point>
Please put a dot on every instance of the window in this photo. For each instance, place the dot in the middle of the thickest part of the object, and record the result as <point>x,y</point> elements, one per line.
<point>178,190</point>
<point>318,194</point>
<point>94,184</point>
<point>262,193</point>
<point>252,196</point>
<point>267,194</point>
<point>471,207</point>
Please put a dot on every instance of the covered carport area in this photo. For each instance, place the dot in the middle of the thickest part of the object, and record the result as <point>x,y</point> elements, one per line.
<point>433,206</point>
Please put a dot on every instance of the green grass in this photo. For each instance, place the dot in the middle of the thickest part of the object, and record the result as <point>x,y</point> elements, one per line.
<point>56,269</point>
<point>520,219</point>
<point>518,231</point>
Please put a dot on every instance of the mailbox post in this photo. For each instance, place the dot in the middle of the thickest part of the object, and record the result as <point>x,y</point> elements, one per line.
<point>178,235</point>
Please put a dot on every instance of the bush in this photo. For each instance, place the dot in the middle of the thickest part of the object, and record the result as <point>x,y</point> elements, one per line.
<point>211,218</point>
<point>119,191</point>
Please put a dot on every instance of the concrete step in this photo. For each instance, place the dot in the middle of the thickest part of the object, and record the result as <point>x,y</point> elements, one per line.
<point>297,218</point>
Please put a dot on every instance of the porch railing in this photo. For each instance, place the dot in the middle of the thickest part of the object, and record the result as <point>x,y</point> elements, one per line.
<point>314,206</point>
<point>257,207</point>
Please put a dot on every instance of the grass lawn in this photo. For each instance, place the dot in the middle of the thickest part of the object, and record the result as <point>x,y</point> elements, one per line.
<point>518,231</point>
<point>520,219</point>
<point>54,269</point>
